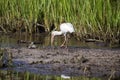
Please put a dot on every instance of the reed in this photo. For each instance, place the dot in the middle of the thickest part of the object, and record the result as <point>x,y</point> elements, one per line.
<point>5,58</point>
<point>91,18</point>
<point>13,75</point>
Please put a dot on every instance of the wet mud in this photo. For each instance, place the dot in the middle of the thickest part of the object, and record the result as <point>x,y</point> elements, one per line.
<point>75,61</point>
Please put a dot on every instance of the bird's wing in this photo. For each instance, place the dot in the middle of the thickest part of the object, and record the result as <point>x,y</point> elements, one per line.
<point>66,27</point>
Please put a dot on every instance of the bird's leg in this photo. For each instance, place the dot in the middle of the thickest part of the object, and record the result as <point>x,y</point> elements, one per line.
<point>52,40</point>
<point>64,42</point>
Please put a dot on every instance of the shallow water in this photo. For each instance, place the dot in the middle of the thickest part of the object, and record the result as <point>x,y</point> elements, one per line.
<point>43,40</point>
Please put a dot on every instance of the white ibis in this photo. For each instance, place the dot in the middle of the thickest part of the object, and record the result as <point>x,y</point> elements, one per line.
<point>64,29</point>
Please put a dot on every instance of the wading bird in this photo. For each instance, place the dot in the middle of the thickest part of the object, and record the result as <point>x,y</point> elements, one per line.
<point>64,29</point>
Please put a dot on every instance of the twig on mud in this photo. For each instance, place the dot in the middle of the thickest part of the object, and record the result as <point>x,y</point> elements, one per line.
<point>86,70</point>
<point>112,74</point>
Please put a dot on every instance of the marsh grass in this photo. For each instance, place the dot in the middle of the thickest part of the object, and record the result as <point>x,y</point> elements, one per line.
<point>91,18</point>
<point>11,75</point>
<point>5,58</point>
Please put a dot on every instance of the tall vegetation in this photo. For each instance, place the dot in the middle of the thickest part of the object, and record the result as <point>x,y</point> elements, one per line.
<point>92,18</point>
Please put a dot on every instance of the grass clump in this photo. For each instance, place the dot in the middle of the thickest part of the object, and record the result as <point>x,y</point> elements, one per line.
<point>91,18</point>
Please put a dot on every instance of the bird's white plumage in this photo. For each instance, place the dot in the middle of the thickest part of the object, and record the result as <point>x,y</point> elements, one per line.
<point>67,27</point>
<point>56,33</point>
<point>64,29</point>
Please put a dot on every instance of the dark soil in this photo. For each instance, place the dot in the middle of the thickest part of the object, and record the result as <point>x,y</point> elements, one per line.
<point>71,61</point>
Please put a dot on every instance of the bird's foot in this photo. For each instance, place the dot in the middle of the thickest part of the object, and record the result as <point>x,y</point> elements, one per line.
<point>63,46</point>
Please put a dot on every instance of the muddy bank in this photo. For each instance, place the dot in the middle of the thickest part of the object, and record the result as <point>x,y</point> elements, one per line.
<point>71,61</point>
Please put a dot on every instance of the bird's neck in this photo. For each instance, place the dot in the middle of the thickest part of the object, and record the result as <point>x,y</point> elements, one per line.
<point>55,33</point>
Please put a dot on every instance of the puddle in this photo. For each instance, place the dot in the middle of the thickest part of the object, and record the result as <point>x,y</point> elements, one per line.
<point>43,40</point>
